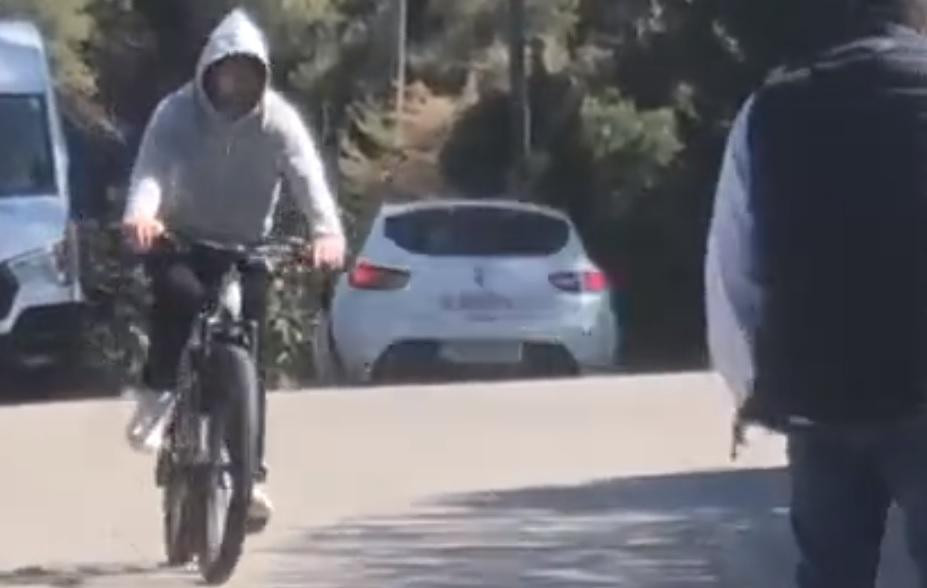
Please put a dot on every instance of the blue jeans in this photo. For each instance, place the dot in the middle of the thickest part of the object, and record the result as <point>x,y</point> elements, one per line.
<point>844,479</point>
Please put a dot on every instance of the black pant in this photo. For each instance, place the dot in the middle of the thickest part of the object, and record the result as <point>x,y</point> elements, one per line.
<point>181,284</point>
<point>844,479</point>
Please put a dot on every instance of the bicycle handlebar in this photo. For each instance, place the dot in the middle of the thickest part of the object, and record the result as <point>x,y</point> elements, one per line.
<point>275,248</point>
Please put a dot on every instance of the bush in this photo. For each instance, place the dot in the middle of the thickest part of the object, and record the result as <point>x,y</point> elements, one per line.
<point>118,298</point>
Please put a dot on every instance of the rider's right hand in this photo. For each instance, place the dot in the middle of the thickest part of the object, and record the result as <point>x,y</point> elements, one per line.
<point>142,233</point>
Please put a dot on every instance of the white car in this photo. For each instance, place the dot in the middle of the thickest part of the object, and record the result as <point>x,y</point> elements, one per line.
<point>40,293</point>
<point>472,286</point>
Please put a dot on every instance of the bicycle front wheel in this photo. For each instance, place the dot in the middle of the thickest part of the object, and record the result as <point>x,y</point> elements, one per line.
<point>230,386</point>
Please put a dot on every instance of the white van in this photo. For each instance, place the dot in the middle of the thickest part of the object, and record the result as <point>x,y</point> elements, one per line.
<point>40,293</point>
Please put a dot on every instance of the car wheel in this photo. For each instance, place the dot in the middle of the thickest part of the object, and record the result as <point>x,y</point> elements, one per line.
<point>550,361</point>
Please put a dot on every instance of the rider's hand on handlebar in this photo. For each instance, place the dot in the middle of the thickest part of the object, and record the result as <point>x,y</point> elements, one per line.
<point>142,233</point>
<point>328,252</point>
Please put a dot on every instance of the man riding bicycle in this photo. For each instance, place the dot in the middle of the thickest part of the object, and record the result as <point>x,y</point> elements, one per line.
<point>212,163</point>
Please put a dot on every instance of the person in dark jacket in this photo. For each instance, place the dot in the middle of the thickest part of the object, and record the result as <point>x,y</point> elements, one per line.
<point>816,279</point>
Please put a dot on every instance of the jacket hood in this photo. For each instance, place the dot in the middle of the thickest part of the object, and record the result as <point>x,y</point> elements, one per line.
<point>237,34</point>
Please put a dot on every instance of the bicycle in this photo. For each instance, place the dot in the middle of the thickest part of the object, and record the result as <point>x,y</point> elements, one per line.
<point>209,461</point>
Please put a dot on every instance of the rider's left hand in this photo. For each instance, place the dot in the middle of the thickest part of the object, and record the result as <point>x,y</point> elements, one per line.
<point>328,252</point>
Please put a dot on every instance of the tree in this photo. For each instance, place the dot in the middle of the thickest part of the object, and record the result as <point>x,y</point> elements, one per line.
<point>520,106</point>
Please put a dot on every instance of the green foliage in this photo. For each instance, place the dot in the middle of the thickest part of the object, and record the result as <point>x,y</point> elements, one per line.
<point>304,36</point>
<point>293,312</point>
<point>632,147</point>
<point>555,19</point>
<point>544,17</point>
<point>367,148</point>
<point>117,290</point>
<point>473,32</point>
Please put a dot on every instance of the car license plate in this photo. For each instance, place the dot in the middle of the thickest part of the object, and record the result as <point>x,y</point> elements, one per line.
<point>482,352</point>
<point>477,302</point>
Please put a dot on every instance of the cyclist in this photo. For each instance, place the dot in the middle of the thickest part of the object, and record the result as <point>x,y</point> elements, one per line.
<point>212,163</point>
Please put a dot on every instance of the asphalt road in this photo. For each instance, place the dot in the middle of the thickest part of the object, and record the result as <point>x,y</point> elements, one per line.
<point>587,483</point>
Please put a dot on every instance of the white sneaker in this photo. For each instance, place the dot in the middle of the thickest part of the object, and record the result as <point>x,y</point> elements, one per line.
<point>152,413</point>
<point>260,509</point>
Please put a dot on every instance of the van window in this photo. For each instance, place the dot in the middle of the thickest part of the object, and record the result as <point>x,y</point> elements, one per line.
<point>26,166</point>
<point>478,231</point>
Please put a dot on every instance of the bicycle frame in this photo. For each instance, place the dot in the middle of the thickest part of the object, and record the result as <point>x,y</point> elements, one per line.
<point>212,458</point>
<point>220,321</point>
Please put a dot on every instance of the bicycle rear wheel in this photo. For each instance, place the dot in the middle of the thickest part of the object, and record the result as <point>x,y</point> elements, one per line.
<point>230,386</point>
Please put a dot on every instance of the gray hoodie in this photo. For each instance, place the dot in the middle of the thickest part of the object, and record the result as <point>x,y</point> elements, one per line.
<point>206,176</point>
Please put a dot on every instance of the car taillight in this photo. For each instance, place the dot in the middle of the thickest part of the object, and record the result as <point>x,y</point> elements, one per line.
<point>368,276</point>
<point>595,281</point>
<point>578,282</point>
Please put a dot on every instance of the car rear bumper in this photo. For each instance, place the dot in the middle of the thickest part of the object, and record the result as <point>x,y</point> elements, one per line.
<point>589,345</point>
<point>422,360</point>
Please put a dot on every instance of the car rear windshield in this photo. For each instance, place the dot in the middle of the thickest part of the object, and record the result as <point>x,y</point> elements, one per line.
<point>478,231</point>
<point>26,166</point>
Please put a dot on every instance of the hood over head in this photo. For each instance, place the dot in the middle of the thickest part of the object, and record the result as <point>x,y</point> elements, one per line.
<point>236,35</point>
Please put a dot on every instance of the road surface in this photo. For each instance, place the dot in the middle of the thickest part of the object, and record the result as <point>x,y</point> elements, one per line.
<point>589,483</point>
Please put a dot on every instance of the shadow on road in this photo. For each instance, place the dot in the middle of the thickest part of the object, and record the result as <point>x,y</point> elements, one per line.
<point>725,529</point>
<point>78,576</point>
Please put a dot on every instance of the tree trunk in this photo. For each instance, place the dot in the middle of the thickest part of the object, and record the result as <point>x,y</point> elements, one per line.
<point>521,110</point>
<point>402,20</point>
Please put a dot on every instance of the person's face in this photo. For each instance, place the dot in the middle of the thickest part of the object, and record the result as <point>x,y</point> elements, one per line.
<point>235,85</point>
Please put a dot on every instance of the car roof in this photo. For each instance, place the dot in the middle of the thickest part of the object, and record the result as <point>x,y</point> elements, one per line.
<point>22,58</point>
<point>499,203</point>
